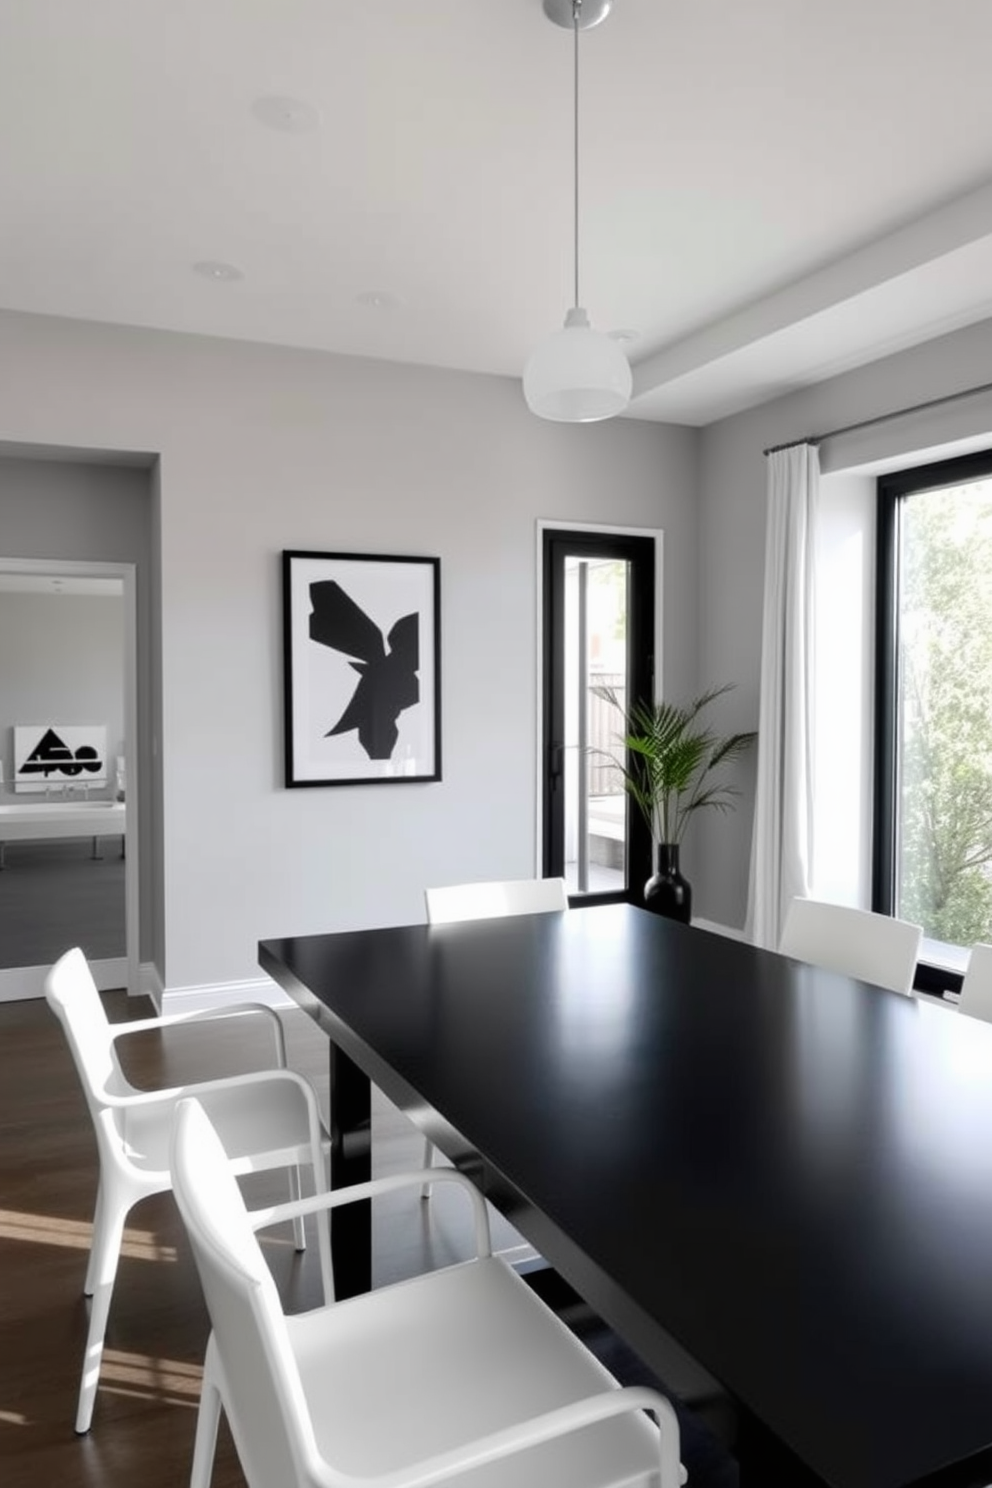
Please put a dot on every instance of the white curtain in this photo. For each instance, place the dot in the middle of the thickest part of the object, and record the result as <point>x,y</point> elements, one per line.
<point>781,847</point>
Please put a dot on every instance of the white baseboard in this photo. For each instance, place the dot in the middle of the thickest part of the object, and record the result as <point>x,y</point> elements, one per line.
<point>729,930</point>
<point>222,994</point>
<point>263,989</point>
<point>18,983</point>
<point>150,983</point>
<point>22,982</point>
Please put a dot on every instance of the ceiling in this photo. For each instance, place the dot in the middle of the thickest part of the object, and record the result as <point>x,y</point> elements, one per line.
<point>772,192</point>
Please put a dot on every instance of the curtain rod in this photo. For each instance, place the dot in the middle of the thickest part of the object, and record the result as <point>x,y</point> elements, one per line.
<point>883,418</point>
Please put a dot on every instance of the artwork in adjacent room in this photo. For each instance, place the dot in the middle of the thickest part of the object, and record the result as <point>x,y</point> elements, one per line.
<point>53,756</point>
<point>362,668</point>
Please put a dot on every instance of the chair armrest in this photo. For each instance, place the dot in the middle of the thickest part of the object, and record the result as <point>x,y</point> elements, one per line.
<point>532,1433</point>
<point>172,1093</point>
<point>204,1015</point>
<point>275,1214</point>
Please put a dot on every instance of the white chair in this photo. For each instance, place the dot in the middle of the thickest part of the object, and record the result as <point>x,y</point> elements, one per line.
<point>269,1119</point>
<point>490,901</point>
<point>873,947</point>
<point>976,988</point>
<point>462,1376</point>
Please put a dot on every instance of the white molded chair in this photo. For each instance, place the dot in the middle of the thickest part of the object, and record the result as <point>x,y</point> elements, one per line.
<point>462,1376</point>
<point>976,988</point>
<point>873,947</point>
<point>268,1119</point>
<point>490,901</point>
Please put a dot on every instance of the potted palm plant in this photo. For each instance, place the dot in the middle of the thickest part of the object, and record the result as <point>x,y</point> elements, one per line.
<point>669,767</point>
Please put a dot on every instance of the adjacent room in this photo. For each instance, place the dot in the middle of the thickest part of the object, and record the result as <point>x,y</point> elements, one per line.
<point>540,452</point>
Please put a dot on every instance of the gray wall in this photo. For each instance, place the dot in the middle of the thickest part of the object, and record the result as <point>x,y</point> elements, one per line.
<point>263,449</point>
<point>61,661</point>
<point>732,529</point>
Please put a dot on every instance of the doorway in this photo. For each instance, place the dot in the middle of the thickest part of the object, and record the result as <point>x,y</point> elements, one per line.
<point>68,816</point>
<point>598,655</point>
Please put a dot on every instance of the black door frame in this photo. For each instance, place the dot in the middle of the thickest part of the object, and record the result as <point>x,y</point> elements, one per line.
<point>641,549</point>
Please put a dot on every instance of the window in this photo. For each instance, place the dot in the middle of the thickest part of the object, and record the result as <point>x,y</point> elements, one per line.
<point>598,643</point>
<point>933,795</point>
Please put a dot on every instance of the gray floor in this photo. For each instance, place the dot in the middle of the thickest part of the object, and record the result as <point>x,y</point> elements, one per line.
<point>54,895</point>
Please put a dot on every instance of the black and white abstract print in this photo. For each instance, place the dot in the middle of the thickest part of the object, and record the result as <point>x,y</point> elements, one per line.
<point>362,684</point>
<point>386,666</point>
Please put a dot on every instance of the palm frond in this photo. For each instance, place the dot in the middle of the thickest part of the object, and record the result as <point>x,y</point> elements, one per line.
<point>668,755</point>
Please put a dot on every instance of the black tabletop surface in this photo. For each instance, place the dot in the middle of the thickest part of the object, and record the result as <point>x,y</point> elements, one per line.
<point>788,1170</point>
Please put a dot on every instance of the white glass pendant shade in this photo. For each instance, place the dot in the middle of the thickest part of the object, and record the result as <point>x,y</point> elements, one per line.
<point>578,375</point>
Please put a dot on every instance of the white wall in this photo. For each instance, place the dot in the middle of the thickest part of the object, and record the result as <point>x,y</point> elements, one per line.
<point>264,449</point>
<point>732,526</point>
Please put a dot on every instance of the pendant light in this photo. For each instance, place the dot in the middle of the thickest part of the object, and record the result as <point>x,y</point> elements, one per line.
<point>577,375</point>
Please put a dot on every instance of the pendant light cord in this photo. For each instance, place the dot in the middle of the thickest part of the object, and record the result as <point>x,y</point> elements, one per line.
<point>576,8</point>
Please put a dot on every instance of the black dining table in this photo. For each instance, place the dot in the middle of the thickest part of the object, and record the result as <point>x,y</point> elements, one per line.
<point>786,1170</point>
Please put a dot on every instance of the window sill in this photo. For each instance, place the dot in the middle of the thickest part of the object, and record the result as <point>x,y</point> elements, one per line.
<point>941,969</point>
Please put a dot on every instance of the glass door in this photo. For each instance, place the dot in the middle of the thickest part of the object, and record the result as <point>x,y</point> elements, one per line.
<point>598,655</point>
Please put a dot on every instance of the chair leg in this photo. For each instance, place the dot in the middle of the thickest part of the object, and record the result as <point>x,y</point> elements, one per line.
<point>97,1225</point>
<point>207,1421</point>
<point>322,1184</point>
<point>296,1192</point>
<point>103,1271</point>
<point>425,1191</point>
<point>324,1251</point>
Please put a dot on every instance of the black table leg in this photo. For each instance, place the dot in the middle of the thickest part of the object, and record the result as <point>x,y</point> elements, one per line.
<point>351,1162</point>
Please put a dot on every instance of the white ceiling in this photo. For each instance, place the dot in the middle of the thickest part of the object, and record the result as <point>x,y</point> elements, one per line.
<point>772,191</point>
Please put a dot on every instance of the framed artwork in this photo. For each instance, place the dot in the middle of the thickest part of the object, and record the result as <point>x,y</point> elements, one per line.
<point>362,672</point>
<point>53,755</point>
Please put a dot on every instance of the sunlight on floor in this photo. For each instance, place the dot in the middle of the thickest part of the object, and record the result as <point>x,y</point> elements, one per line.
<point>147,1378</point>
<point>139,1377</point>
<point>41,1229</point>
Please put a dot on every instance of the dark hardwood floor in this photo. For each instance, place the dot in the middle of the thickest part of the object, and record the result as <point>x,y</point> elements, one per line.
<point>142,1430</point>
<point>143,1425</point>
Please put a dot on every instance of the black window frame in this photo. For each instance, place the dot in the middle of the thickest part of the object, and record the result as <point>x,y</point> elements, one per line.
<point>892,489</point>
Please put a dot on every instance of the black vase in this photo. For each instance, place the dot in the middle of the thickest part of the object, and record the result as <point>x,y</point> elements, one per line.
<point>667,892</point>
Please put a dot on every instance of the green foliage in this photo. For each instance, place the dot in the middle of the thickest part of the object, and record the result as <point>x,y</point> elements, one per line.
<point>945,659</point>
<point>669,756</point>
<point>610,579</point>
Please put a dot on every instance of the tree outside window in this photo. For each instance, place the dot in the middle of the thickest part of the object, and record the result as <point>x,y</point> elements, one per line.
<point>943,728</point>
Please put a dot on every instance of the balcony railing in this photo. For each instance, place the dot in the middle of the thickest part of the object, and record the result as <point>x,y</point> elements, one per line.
<point>605,730</point>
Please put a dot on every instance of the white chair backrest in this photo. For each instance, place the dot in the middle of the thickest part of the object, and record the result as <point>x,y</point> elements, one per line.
<point>264,1399</point>
<point>490,901</point>
<point>874,947</point>
<point>976,989</point>
<point>72,995</point>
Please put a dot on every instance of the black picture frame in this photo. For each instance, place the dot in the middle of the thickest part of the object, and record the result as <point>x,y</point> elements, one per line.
<point>361,668</point>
